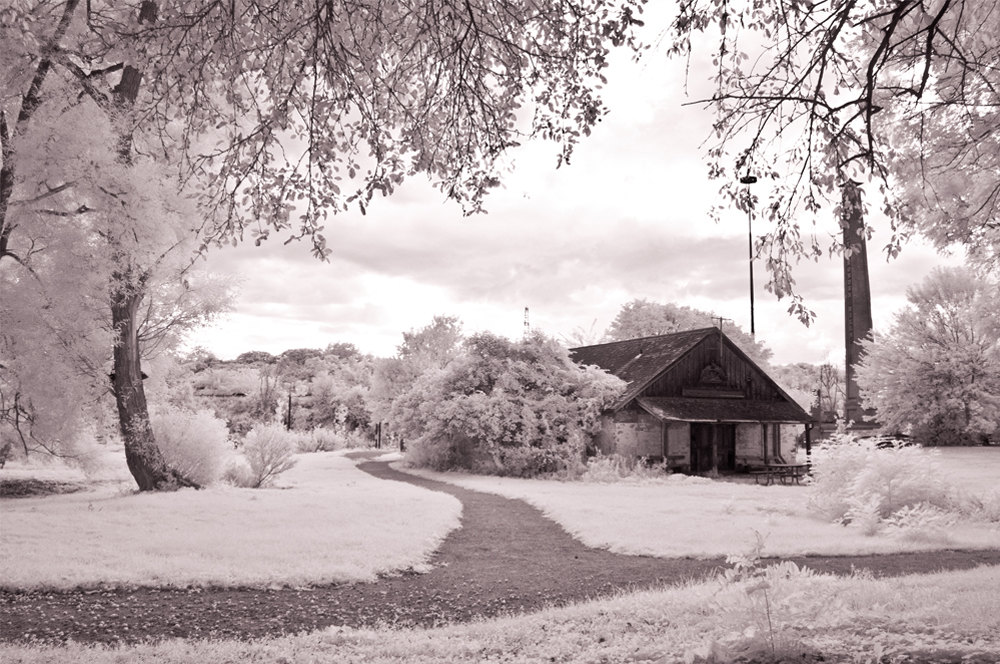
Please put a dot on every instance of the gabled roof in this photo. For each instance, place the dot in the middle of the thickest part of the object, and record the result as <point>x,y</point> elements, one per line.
<point>639,361</point>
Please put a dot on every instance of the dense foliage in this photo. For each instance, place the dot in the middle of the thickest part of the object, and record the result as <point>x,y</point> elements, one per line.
<point>936,373</point>
<point>867,484</point>
<point>507,407</point>
<point>806,382</point>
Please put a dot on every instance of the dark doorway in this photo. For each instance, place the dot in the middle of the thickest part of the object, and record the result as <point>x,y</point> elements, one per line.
<point>725,437</point>
<point>702,457</point>
<point>713,446</point>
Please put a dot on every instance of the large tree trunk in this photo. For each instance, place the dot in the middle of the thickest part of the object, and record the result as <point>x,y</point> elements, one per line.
<point>145,461</point>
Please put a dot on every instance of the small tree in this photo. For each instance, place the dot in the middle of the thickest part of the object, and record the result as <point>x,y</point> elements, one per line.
<point>269,450</point>
<point>429,348</point>
<point>513,408</point>
<point>936,374</point>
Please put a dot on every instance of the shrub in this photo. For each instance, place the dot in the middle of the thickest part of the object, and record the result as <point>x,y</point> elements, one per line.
<point>985,508</point>
<point>326,440</point>
<point>322,439</point>
<point>238,473</point>
<point>757,603</point>
<point>193,444</point>
<point>864,483</point>
<point>503,407</point>
<point>268,450</point>
<point>618,468</point>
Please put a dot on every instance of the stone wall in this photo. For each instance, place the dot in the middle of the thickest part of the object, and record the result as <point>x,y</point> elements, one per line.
<point>678,444</point>
<point>640,434</point>
<point>749,444</point>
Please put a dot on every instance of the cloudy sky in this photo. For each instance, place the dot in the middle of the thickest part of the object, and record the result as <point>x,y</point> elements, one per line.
<point>628,218</point>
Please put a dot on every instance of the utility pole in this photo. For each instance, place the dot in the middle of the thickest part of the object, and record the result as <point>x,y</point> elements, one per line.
<point>527,325</point>
<point>749,180</point>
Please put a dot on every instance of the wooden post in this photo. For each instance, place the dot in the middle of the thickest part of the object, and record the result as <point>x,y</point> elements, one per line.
<point>763,440</point>
<point>715,447</point>
<point>809,427</point>
<point>288,417</point>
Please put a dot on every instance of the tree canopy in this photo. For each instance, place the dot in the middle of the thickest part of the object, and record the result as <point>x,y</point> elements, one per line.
<point>257,117</point>
<point>936,373</point>
<point>901,94</point>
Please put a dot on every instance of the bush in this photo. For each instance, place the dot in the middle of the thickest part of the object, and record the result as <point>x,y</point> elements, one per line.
<point>860,482</point>
<point>193,444</point>
<point>503,407</point>
<point>238,473</point>
<point>618,468</point>
<point>268,450</point>
<point>320,440</point>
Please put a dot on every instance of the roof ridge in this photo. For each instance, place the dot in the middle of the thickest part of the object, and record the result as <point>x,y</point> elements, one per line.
<point>652,336</point>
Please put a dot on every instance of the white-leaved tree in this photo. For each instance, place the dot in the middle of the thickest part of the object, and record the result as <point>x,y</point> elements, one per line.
<point>506,407</point>
<point>77,215</point>
<point>936,373</point>
<point>898,97</point>
<point>430,348</point>
<point>275,115</point>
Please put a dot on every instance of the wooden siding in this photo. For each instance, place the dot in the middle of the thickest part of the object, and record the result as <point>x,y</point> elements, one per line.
<point>686,372</point>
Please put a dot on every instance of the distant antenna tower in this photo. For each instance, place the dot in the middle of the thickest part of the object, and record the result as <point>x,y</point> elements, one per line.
<point>527,325</point>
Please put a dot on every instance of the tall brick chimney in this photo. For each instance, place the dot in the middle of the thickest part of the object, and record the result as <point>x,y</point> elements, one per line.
<point>857,298</point>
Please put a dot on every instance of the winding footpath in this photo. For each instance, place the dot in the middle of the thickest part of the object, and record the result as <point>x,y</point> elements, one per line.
<point>506,558</point>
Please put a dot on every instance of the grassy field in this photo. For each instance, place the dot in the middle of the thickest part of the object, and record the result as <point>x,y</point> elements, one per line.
<point>695,517</point>
<point>973,469</point>
<point>345,526</point>
<point>372,525</point>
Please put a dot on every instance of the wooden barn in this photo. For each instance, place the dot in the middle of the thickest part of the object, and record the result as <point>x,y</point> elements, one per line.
<point>696,400</point>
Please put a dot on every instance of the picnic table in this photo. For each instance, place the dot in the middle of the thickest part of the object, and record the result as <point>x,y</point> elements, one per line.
<point>785,472</point>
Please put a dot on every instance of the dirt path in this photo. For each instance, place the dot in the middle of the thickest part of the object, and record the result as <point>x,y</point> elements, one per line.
<point>506,558</point>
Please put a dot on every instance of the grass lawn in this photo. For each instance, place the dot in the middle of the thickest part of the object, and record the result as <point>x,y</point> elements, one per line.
<point>325,521</point>
<point>848,620</point>
<point>694,517</point>
<point>326,515</point>
<point>973,469</point>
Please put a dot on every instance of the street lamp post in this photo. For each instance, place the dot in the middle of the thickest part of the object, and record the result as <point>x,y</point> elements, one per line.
<point>749,180</point>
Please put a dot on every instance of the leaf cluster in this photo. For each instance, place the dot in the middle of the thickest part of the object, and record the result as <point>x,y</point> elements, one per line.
<point>285,113</point>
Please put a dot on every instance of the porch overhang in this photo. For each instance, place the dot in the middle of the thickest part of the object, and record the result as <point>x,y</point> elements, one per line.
<point>681,409</point>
